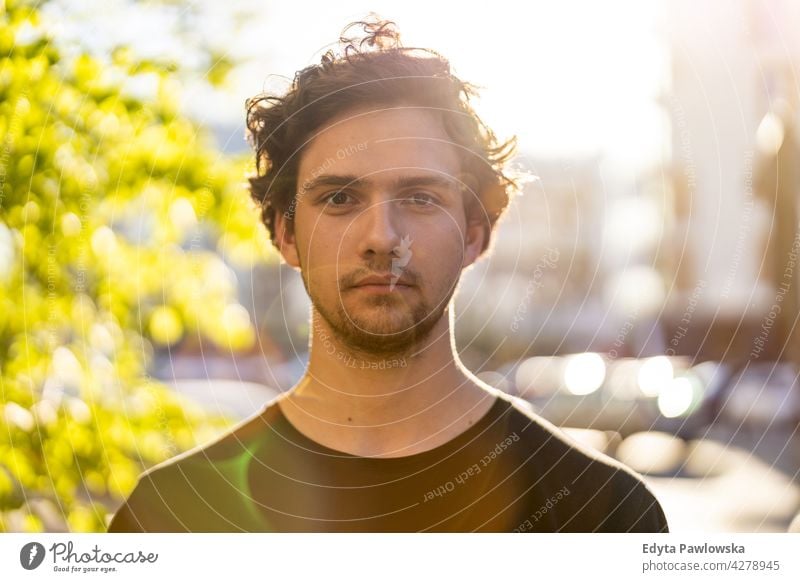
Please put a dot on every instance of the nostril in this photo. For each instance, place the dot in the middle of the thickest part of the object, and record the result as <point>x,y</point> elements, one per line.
<point>377,231</point>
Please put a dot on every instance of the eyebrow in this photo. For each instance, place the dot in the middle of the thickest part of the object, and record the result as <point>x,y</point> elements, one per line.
<point>400,182</point>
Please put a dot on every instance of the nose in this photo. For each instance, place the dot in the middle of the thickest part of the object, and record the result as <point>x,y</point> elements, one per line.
<point>376,230</point>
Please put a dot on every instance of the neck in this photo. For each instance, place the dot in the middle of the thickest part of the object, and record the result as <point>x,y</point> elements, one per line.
<point>387,406</point>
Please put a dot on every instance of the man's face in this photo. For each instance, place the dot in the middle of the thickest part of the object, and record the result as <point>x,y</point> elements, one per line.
<point>379,196</point>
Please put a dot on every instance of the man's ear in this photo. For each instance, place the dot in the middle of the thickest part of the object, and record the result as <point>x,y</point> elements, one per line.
<point>474,239</point>
<point>285,239</point>
<point>475,233</point>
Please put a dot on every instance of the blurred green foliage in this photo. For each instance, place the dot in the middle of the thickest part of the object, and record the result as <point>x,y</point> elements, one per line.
<point>115,213</point>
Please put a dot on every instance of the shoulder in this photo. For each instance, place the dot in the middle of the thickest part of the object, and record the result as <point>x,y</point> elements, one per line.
<point>557,444</point>
<point>232,443</point>
<point>608,494</point>
<point>165,494</point>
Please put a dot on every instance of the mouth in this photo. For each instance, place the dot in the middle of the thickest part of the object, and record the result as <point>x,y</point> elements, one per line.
<point>382,287</point>
<point>383,283</point>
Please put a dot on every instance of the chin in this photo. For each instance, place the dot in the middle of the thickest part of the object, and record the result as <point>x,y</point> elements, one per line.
<point>382,327</point>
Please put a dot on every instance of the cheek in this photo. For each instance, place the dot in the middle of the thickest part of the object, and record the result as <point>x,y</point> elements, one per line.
<point>444,236</point>
<point>438,250</point>
<point>319,255</point>
<point>322,265</point>
<point>315,235</point>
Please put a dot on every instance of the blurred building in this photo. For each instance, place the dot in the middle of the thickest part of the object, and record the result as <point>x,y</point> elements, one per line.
<point>575,268</point>
<point>735,186</point>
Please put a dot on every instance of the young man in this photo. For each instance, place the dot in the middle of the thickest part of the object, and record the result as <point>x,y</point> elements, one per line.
<point>380,185</point>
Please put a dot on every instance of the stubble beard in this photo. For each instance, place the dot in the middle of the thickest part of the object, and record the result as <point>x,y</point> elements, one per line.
<point>379,326</point>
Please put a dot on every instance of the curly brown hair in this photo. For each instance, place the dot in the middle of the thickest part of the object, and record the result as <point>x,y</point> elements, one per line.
<point>374,70</point>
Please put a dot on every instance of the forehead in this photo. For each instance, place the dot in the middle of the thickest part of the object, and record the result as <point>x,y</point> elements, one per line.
<point>382,142</point>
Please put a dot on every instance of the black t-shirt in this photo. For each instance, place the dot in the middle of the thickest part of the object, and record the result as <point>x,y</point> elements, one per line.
<point>511,471</point>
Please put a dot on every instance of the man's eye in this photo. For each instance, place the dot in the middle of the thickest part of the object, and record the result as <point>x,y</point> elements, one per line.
<point>422,199</point>
<point>338,198</point>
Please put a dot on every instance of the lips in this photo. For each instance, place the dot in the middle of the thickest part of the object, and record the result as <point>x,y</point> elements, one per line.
<point>383,280</point>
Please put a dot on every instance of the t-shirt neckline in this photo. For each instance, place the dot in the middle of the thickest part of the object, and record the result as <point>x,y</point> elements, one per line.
<point>293,435</point>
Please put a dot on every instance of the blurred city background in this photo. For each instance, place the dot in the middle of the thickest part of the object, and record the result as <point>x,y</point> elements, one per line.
<point>643,294</point>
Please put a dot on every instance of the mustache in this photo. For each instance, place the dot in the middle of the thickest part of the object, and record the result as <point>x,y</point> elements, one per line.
<point>405,274</point>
